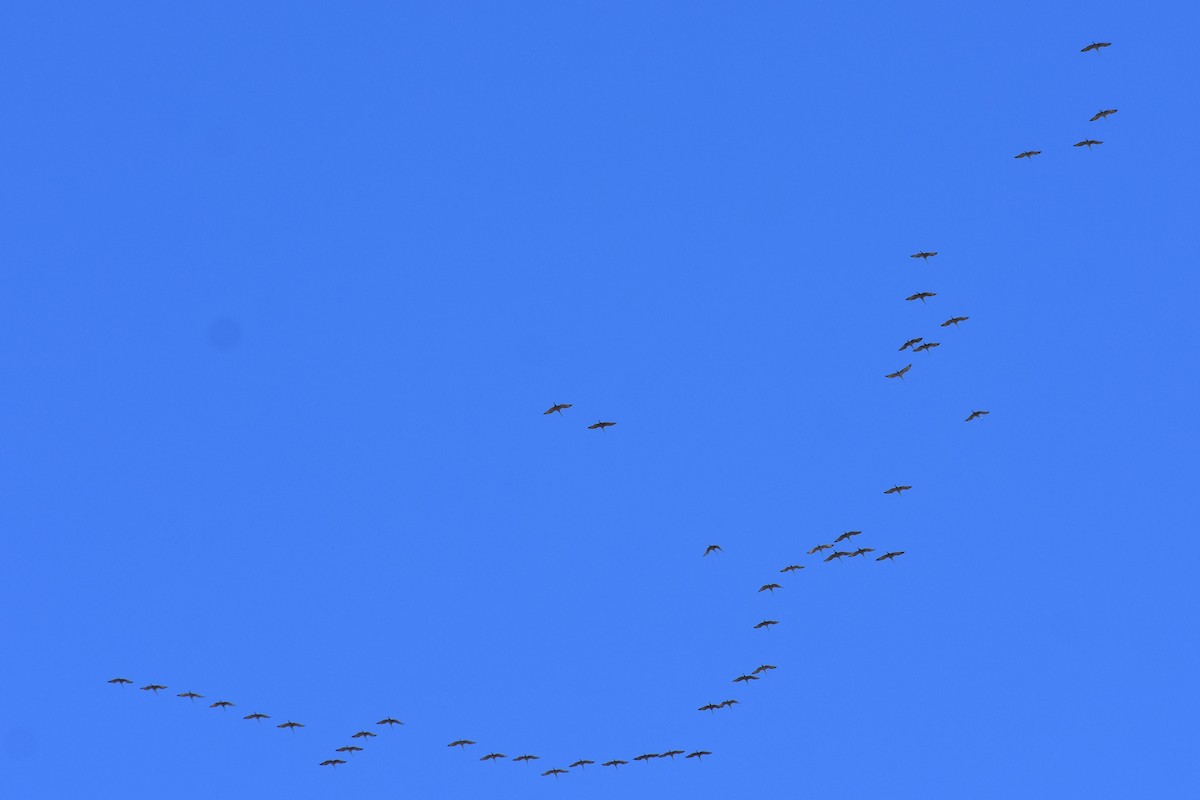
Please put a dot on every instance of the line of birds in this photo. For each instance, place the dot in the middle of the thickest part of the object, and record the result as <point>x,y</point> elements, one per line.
<point>583,762</point>
<point>1101,114</point>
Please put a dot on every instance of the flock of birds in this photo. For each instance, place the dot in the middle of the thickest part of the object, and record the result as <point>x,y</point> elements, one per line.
<point>917,345</point>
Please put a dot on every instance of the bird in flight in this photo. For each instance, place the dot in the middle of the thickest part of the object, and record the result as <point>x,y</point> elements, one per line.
<point>120,680</point>
<point>616,762</point>
<point>601,425</point>
<point>1028,154</point>
<point>361,735</point>
<point>557,407</point>
<point>847,536</point>
<point>220,704</point>
<point>581,763</point>
<point>645,756</point>
<point>190,696</point>
<point>770,587</point>
<point>554,772</point>
<point>256,716</point>
<point>862,551</point>
<point>293,726</point>
<point>790,568</point>
<point>920,296</point>
<point>819,548</point>
<point>673,753</point>
<point>709,708</point>
<point>954,321</point>
<point>897,490</point>
<point>899,373</point>
<point>332,762</point>
<point>723,704</point>
<point>890,556</point>
<point>712,548</point>
<point>926,346</point>
<point>351,749</point>
<point>910,343</point>
<point>389,722</point>
<point>766,623</point>
<point>764,668</point>
<point>836,554</point>
<point>923,256</point>
<point>1096,46</point>
<point>526,758</point>
<point>460,743</point>
<point>745,678</point>
<point>1102,114</point>
<point>975,414</point>
<point>698,755</point>
<point>1088,142</point>
<point>154,687</point>
<point>493,756</point>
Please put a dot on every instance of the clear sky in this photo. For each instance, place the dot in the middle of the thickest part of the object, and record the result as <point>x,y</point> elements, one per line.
<point>286,287</point>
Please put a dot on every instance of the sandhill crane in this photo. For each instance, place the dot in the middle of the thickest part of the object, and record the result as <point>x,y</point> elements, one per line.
<point>1028,154</point>
<point>847,536</point>
<point>926,346</point>
<point>493,756</point>
<point>890,556</point>
<point>190,696</point>
<point>362,735</point>
<point>769,587</point>
<point>581,763</point>
<point>745,678</point>
<point>698,755</point>
<point>257,717</point>
<point>120,680</point>
<point>910,343</point>
<point>1088,143</point>
<point>921,296</point>
<point>836,554</point>
<point>954,321</point>
<point>645,756</point>
<point>766,624</point>
<point>554,772</point>
<point>673,753</point>
<point>601,425</point>
<point>899,373</point>
<point>897,490</point>
<point>1096,46</point>
<point>290,725</point>
<point>557,407</point>
<point>712,548</point>
<point>460,743</point>
<point>725,704</point>
<point>389,722</point>
<point>332,762</point>
<point>526,757</point>
<point>709,708</point>
<point>1103,114</point>
<point>616,762</point>
<point>819,548</point>
<point>153,687</point>
<point>222,704</point>
<point>790,568</point>
<point>862,551</point>
<point>764,668</point>
<point>351,749</point>
<point>923,256</point>
<point>975,414</point>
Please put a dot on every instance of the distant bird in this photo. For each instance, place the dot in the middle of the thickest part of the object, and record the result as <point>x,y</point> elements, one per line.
<point>601,425</point>
<point>190,696</point>
<point>764,668</point>
<point>897,490</point>
<point>1096,46</point>
<point>954,321</point>
<point>616,762</point>
<point>975,414</point>
<point>724,704</point>
<point>526,758</point>
<point>362,735</point>
<point>699,755</point>
<point>924,256</point>
<point>493,756</point>
<point>899,373</point>
<point>120,680</point>
<point>645,756</point>
<point>921,296</point>
<point>256,716</point>
<point>292,726</point>
<point>745,678</point>
<point>1028,154</point>
<point>712,548</point>
<point>926,346</point>
<point>154,687</point>
<point>221,704</point>
<point>557,407</point>
<point>770,587</point>
<point>836,554</point>
<point>819,548</point>
<point>389,722</point>
<point>1102,114</point>
<point>673,753</point>
<point>554,772</point>
<point>910,343</point>
<point>581,763</point>
<point>789,568</point>
<point>862,551</point>
<point>332,762</point>
<point>709,708</point>
<point>766,623</point>
<point>1088,142</point>
<point>351,749</point>
<point>890,556</point>
<point>460,743</point>
<point>847,536</point>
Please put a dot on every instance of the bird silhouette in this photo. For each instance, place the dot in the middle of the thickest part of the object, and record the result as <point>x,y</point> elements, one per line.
<point>899,373</point>
<point>554,772</point>
<point>770,587</point>
<point>923,256</point>
<point>897,490</point>
<point>581,763</point>
<point>525,758</point>
<point>1096,46</point>
<point>921,296</point>
<point>790,568</point>
<point>601,425</point>
<point>351,749</point>
<point>836,554</point>
<point>120,680</point>
<point>222,704</point>
<point>745,678</point>
<point>862,551</point>
<point>362,735</point>
<point>910,343</point>
<point>190,696</point>
<point>699,755</point>
<point>954,321</point>
<point>1088,143</point>
<point>645,756</point>
<point>332,762</point>
<point>712,548</point>
<point>292,726</point>
<point>926,346</point>
<point>709,708</point>
<point>389,722</point>
<point>673,753</point>
<point>256,716</point>
<point>726,704</point>
<point>557,407</point>
<point>766,624</point>
<point>1103,114</point>
<point>460,743</point>
<point>764,668</point>
<point>1028,154</point>
<point>616,762</point>
<point>890,556</point>
<point>153,687</point>
<point>819,548</point>
<point>846,536</point>
<point>493,756</point>
<point>975,414</point>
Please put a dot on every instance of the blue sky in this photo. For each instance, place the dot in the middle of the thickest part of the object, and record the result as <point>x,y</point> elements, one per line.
<point>285,288</point>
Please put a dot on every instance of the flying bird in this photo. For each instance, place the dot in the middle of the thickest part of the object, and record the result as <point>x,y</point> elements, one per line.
<point>673,753</point>
<point>1028,154</point>
<point>389,722</point>
<point>1102,114</point>
<point>1096,46</point>
<point>362,735</point>
<point>581,763</point>
<point>819,548</point>
<point>897,490</point>
<point>698,755</point>
<point>710,707</point>
<point>601,425</point>
<point>836,554</point>
<point>557,407</point>
<point>920,296</point>
<point>766,623</point>
<point>554,772</point>
<point>645,756</point>
<point>923,256</point>
<point>526,758</point>
<point>460,743</point>
<point>789,568</point>
<point>862,551</point>
<point>764,668</point>
<point>190,696</point>
<point>351,749</point>
<point>293,726</point>
<point>616,762</point>
<point>847,535</point>
<point>256,716</point>
<point>120,680</point>
<point>493,756</point>
<point>745,678</point>
<point>220,704</point>
<point>954,321</point>
<point>910,343</point>
<point>154,687</point>
<point>1088,142</point>
<point>332,762</point>
<point>890,556</point>
<point>975,414</point>
<point>712,548</point>
<point>926,346</point>
<point>770,587</point>
<point>724,704</point>
<point>899,373</point>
